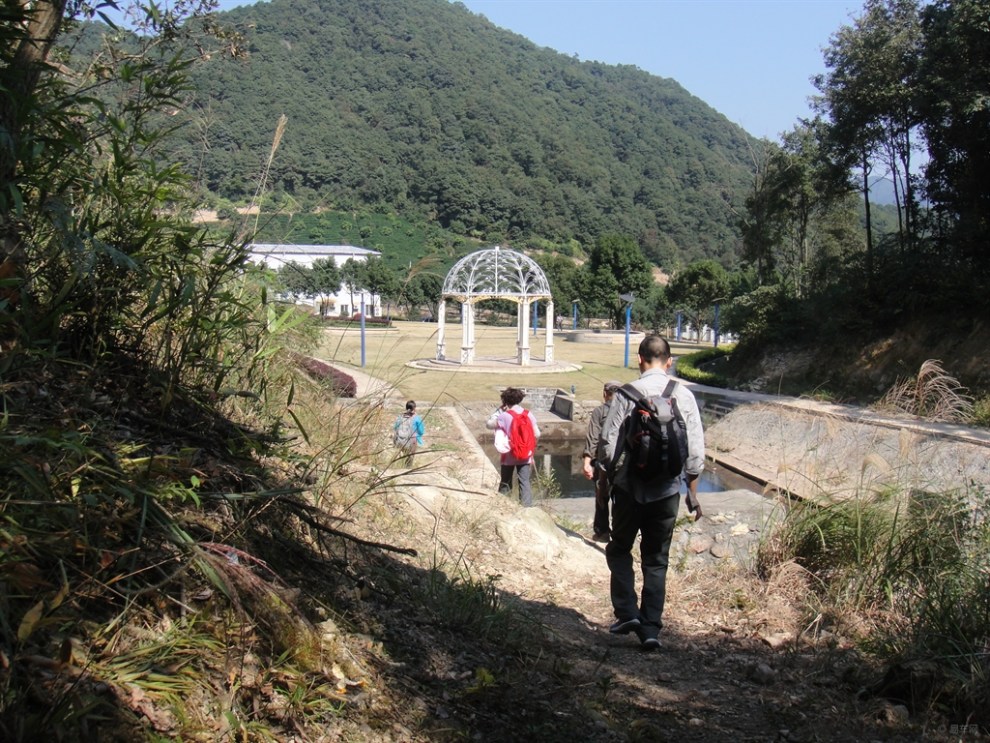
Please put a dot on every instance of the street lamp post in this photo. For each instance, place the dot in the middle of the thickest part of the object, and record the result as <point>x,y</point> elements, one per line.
<point>715,323</point>
<point>628,299</point>
<point>362,332</point>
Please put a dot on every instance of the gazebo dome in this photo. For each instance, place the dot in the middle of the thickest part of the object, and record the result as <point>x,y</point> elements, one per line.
<point>496,273</point>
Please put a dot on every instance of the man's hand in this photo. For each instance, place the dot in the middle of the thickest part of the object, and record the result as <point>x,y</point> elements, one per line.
<point>587,469</point>
<point>692,497</point>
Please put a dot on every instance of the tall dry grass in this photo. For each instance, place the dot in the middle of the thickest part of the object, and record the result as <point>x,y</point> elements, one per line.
<point>933,394</point>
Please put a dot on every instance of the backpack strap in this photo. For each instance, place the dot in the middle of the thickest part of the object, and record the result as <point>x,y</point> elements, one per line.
<point>629,392</point>
<point>669,389</point>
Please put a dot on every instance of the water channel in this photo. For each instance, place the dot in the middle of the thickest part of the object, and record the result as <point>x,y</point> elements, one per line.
<point>564,458</point>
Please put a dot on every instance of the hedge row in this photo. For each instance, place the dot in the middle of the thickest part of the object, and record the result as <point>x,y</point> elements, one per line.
<point>343,385</point>
<point>701,366</point>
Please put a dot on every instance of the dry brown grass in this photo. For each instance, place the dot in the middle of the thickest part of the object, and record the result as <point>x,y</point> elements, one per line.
<point>386,354</point>
<point>933,394</point>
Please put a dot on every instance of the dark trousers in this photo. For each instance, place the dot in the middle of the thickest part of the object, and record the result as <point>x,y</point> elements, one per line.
<point>522,472</point>
<point>654,522</point>
<point>600,523</point>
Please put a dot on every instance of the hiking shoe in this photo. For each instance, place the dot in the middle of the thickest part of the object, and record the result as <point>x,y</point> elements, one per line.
<point>650,643</point>
<point>601,536</point>
<point>624,626</point>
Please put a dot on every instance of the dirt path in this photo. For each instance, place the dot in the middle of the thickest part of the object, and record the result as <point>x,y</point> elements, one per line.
<point>739,662</point>
<point>742,659</point>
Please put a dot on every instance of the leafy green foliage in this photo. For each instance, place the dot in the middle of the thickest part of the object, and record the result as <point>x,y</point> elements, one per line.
<point>696,288</point>
<point>765,313</point>
<point>421,108</point>
<point>903,85</point>
<point>702,366</point>
<point>615,266</point>
<point>135,349</point>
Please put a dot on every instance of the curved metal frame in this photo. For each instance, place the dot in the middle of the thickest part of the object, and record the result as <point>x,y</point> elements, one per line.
<point>495,273</point>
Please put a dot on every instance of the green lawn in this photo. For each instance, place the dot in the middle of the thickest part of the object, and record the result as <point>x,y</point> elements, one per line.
<point>386,354</point>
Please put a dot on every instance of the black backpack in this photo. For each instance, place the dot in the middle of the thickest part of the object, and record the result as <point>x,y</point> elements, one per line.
<point>656,435</point>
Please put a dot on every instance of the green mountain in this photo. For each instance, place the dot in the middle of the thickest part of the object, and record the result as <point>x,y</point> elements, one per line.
<point>424,109</point>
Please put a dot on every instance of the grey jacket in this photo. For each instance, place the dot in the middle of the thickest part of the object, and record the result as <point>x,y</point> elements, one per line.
<point>595,421</point>
<point>613,450</point>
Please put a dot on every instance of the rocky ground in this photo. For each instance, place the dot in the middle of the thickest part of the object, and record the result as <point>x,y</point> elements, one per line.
<point>743,659</point>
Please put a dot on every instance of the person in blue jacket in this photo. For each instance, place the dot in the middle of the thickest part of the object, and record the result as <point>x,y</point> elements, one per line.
<point>408,432</point>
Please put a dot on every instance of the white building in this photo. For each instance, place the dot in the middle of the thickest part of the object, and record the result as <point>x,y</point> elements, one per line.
<point>343,303</point>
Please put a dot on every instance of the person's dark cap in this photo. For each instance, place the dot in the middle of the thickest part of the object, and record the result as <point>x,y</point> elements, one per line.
<point>612,386</point>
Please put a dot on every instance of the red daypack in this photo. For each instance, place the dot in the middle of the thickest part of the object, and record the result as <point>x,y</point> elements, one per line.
<point>522,440</point>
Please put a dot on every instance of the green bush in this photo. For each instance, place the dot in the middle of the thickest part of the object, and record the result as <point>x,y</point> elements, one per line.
<point>704,367</point>
<point>981,412</point>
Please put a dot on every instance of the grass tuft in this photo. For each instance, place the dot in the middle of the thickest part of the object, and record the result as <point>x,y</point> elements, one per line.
<point>916,566</point>
<point>933,395</point>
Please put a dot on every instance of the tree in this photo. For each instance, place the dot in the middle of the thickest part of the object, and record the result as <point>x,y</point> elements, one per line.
<point>296,279</point>
<point>867,95</point>
<point>795,191</point>
<point>352,274</point>
<point>325,277</point>
<point>565,280</point>
<point>423,288</point>
<point>617,266</point>
<point>952,102</point>
<point>380,279</point>
<point>653,310</point>
<point>695,289</point>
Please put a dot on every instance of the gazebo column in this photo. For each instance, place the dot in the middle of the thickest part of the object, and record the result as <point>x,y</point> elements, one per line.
<point>441,328</point>
<point>548,349</point>
<point>522,345</point>
<point>467,328</point>
<point>470,322</point>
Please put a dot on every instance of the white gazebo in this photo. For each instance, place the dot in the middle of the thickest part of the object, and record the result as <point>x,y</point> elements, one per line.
<point>495,273</point>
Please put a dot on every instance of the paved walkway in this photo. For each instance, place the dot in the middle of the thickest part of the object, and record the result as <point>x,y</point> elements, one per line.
<point>367,385</point>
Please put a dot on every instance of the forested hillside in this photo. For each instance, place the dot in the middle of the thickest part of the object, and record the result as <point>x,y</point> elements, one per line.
<point>424,108</point>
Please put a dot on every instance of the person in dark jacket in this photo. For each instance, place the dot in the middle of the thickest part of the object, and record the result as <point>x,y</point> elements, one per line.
<point>593,467</point>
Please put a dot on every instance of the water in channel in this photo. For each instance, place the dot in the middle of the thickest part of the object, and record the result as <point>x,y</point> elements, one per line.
<point>564,458</point>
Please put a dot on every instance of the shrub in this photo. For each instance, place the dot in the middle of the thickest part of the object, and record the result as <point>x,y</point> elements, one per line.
<point>981,412</point>
<point>702,366</point>
<point>353,322</point>
<point>343,385</point>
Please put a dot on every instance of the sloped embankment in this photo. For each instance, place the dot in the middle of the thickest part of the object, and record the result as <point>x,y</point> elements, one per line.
<point>810,450</point>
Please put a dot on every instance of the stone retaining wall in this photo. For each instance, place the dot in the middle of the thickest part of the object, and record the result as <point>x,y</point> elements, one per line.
<point>813,454</point>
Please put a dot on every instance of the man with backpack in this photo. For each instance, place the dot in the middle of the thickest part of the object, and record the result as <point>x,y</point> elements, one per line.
<point>520,429</point>
<point>408,431</point>
<point>643,447</point>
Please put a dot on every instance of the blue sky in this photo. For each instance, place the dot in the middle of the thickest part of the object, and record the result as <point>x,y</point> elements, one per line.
<point>751,60</point>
